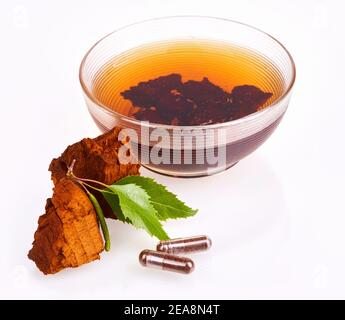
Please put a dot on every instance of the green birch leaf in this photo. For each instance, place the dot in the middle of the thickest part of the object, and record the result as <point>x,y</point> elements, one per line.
<point>167,205</point>
<point>135,206</point>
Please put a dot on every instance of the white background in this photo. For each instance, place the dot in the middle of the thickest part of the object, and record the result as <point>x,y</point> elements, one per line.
<point>277,219</point>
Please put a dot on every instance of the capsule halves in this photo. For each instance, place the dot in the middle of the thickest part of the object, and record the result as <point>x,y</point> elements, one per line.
<point>185,245</point>
<point>165,261</point>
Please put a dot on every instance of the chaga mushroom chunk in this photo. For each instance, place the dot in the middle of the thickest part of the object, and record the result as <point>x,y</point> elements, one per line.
<point>147,94</point>
<point>243,101</point>
<point>248,99</point>
<point>203,92</point>
<point>151,116</point>
<point>68,233</point>
<point>212,113</point>
<point>173,105</point>
<point>168,100</point>
<point>96,159</point>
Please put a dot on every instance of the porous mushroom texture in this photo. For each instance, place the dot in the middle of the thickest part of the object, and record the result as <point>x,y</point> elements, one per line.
<point>96,159</point>
<point>68,234</point>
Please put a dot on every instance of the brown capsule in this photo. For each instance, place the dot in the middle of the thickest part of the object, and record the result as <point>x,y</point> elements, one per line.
<point>165,261</point>
<point>185,245</point>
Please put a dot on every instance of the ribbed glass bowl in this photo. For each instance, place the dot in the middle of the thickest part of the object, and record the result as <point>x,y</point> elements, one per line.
<point>204,149</point>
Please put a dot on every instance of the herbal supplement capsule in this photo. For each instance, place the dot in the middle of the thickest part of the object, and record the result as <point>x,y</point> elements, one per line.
<point>185,245</point>
<point>165,261</point>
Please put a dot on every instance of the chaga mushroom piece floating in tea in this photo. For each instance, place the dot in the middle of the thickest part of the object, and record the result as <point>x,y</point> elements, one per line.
<point>167,100</point>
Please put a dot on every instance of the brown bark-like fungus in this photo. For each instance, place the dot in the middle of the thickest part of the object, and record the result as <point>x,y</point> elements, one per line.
<point>68,233</point>
<point>168,100</point>
<point>96,159</point>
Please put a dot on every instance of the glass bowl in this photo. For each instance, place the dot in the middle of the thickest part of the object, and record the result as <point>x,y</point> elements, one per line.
<point>189,151</point>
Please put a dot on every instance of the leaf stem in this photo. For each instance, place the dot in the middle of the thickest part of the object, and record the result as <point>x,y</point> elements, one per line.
<point>97,189</point>
<point>101,218</point>
<point>90,180</point>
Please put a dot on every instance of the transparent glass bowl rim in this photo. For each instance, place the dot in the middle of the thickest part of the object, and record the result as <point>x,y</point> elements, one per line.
<point>152,125</point>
